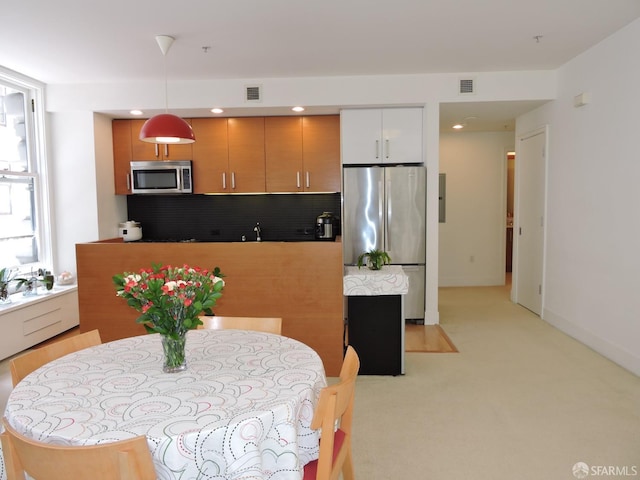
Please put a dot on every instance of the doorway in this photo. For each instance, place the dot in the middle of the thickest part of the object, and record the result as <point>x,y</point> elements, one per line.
<point>511,169</point>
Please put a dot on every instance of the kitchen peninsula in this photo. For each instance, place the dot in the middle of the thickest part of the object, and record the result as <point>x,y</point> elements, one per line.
<point>375,317</point>
<point>298,281</point>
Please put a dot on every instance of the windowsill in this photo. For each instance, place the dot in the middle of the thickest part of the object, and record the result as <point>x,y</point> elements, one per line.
<point>18,300</point>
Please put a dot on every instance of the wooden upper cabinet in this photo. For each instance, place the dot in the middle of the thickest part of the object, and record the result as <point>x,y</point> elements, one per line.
<point>246,154</point>
<point>321,153</point>
<point>283,154</point>
<point>243,155</point>
<point>210,156</point>
<point>303,153</point>
<point>121,131</point>
<point>153,151</point>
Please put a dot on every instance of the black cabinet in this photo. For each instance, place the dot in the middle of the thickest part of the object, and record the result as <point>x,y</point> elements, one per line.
<point>375,329</point>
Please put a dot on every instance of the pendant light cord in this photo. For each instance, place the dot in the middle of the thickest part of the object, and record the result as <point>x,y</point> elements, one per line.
<point>166,87</point>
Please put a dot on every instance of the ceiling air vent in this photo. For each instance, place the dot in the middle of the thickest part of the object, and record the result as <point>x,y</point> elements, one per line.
<point>466,86</point>
<point>253,93</point>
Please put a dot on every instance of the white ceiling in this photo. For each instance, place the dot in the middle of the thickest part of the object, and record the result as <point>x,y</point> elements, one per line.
<point>80,41</point>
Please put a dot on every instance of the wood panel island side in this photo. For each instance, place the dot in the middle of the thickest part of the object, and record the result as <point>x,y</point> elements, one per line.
<point>298,281</point>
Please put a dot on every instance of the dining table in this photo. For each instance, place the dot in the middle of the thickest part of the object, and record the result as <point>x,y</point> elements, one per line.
<point>241,410</point>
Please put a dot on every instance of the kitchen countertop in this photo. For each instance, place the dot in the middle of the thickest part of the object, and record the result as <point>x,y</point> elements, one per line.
<point>390,280</point>
<point>192,240</point>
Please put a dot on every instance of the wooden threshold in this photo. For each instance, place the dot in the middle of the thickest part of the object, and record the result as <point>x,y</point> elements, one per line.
<point>428,339</point>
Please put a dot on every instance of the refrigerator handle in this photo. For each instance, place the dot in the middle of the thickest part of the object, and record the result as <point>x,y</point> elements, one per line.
<point>387,217</point>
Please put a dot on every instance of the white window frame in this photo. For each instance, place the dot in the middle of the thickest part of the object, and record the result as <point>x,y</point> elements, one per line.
<point>34,92</point>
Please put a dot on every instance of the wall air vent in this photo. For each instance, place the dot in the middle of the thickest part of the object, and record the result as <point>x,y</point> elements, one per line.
<point>253,93</point>
<point>467,86</point>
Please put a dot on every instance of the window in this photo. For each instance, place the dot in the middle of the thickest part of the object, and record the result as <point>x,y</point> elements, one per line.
<point>24,233</point>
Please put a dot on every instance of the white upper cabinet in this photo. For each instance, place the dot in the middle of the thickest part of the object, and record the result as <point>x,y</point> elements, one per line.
<point>383,135</point>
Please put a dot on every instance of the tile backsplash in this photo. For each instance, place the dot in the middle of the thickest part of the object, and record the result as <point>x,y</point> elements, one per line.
<point>226,218</point>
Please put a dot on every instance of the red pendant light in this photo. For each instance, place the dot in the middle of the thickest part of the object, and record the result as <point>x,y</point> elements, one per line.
<point>165,127</point>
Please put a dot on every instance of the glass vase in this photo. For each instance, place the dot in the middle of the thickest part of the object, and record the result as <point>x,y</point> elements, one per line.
<point>173,347</point>
<point>4,293</point>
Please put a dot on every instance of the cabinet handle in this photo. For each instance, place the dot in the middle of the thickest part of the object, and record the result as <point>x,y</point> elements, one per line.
<point>308,180</point>
<point>377,148</point>
<point>233,180</point>
<point>166,150</point>
<point>298,179</point>
<point>224,180</point>
<point>386,146</point>
<point>129,186</point>
<point>157,150</point>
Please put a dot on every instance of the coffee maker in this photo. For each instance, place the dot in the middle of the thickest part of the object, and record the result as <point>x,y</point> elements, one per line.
<point>326,226</point>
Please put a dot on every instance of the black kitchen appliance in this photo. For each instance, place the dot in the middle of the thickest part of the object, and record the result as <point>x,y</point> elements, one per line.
<point>326,226</point>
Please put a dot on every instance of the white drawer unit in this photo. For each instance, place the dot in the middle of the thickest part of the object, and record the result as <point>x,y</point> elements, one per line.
<point>27,321</point>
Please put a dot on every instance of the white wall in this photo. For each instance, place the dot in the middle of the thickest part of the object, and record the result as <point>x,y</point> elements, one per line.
<point>316,91</point>
<point>85,208</point>
<point>592,279</point>
<point>472,240</point>
<point>72,168</point>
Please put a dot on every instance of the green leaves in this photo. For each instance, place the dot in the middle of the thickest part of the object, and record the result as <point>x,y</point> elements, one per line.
<point>7,274</point>
<point>374,258</point>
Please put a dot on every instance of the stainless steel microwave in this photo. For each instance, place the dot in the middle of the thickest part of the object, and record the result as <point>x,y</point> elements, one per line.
<point>161,177</point>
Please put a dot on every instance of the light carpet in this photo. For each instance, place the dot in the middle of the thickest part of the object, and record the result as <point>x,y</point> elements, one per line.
<point>520,401</point>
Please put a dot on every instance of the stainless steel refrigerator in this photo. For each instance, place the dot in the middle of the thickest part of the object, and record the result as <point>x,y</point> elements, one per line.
<point>384,208</point>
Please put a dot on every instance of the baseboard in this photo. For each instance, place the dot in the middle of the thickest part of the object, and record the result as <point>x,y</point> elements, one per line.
<point>432,317</point>
<point>471,282</point>
<point>607,349</point>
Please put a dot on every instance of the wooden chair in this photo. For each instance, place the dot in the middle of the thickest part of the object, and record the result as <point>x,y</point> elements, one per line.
<point>123,460</point>
<point>259,324</point>
<point>335,405</point>
<point>25,364</point>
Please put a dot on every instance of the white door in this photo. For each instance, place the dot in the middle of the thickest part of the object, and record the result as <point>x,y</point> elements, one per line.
<point>530,220</point>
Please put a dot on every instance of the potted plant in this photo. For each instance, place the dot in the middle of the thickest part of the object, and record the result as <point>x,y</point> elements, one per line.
<point>6,276</point>
<point>30,284</point>
<point>374,258</point>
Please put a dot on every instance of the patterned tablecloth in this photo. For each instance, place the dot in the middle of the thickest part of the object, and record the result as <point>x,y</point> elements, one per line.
<point>241,410</point>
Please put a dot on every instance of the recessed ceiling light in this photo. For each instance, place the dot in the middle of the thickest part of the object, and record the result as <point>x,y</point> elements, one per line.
<point>135,112</point>
<point>217,110</point>
<point>461,125</point>
<point>298,109</point>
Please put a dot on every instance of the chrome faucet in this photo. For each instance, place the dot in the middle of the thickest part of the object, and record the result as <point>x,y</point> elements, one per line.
<point>257,230</point>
